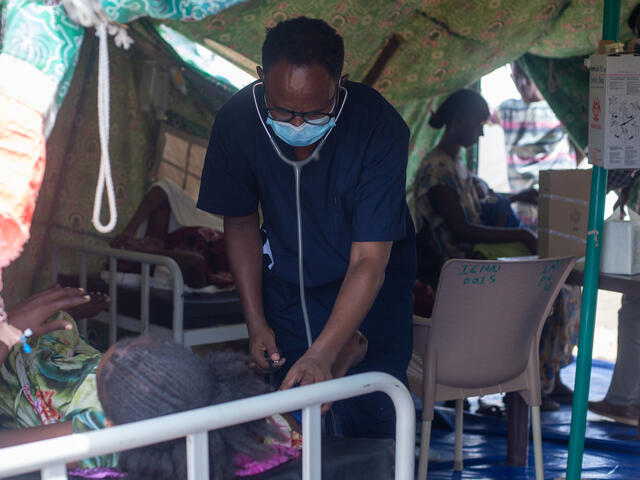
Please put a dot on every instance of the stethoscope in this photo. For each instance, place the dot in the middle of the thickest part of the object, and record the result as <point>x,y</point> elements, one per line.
<point>297,168</point>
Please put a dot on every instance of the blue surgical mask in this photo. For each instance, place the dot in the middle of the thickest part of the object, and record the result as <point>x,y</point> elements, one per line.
<point>301,136</point>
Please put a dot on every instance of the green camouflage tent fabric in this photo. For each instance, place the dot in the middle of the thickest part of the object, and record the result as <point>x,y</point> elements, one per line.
<point>445,45</point>
<point>564,83</point>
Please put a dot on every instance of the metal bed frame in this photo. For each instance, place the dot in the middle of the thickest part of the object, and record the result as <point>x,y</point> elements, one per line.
<point>51,456</point>
<point>187,337</point>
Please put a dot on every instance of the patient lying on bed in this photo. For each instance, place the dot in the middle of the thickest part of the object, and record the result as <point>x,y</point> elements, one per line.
<point>168,223</point>
<point>67,386</point>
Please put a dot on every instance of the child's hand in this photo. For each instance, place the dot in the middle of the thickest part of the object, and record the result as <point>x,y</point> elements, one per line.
<point>34,312</point>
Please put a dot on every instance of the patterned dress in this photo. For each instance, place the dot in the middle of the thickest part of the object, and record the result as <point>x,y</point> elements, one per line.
<point>435,240</point>
<point>55,382</point>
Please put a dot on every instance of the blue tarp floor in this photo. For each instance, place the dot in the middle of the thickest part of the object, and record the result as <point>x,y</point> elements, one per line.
<point>611,449</point>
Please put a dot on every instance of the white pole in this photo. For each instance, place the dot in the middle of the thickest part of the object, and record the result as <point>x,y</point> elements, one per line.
<point>198,456</point>
<point>55,472</point>
<point>312,444</point>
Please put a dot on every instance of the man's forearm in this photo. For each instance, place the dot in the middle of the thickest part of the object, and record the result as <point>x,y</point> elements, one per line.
<point>357,294</point>
<point>243,244</point>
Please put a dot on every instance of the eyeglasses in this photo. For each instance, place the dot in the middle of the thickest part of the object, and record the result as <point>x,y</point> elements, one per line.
<point>313,118</point>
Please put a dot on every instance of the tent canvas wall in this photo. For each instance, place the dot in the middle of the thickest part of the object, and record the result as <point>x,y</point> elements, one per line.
<point>443,45</point>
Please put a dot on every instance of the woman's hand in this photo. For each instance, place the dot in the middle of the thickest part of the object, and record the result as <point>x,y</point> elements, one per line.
<point>34,312</point>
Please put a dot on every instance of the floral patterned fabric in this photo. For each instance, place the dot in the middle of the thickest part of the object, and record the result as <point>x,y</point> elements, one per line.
<point>439,169</point>
<point>55,382</point>
<point>125,11</point>
<point>53,43</point>
<point>579,29</point>
<point>285,449</point>
<point>445,45</point>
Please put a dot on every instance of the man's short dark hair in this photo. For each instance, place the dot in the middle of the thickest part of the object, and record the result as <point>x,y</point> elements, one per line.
<point>303,41</point>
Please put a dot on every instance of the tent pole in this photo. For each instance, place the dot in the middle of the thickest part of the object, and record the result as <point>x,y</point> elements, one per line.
<point>610,31</point>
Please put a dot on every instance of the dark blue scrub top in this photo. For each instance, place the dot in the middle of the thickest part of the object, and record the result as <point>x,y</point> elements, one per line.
<point>354,192</point>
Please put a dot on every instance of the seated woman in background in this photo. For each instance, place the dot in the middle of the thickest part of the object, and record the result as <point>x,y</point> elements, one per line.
<point>448,210</point>
<point>64,386</point>
<point>168,223</point>
<point>449,224</point>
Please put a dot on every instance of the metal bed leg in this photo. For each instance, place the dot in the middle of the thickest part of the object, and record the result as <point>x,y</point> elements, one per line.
<point>54,472</point>
<point>198,456</point>
<point>144,299</point>
<point>113,293</point>
<point>311,447</point>
<point>83,284</point>
<point>178,309</point>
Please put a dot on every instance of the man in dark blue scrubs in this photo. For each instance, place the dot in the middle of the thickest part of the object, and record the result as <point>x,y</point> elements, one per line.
<point>358,236</point>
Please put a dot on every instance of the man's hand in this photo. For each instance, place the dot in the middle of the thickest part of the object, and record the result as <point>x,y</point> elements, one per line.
<point>261,340</point>
<point>310,368</point>
<point>34,312</point>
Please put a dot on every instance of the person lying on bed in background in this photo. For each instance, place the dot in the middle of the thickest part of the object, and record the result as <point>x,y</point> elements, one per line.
<point>168,223</point>
<point>66,386</point>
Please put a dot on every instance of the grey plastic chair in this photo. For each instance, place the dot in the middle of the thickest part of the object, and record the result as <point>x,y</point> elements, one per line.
<point>483,338</point>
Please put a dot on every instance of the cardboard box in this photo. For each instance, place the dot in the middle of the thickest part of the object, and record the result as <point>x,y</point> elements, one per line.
<point>621,245</point>
<point>614,113</point>
<point>563,211</point>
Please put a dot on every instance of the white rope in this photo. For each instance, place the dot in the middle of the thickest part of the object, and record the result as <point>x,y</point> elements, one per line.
<point>89,13</point>
<point>104,175</point>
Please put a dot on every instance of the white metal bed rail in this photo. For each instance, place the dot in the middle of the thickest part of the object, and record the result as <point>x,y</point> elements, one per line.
<point>51,456</point>
<point>146,259</point>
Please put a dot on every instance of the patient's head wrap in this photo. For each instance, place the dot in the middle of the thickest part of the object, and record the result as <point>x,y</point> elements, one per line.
<point>142,377</point>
